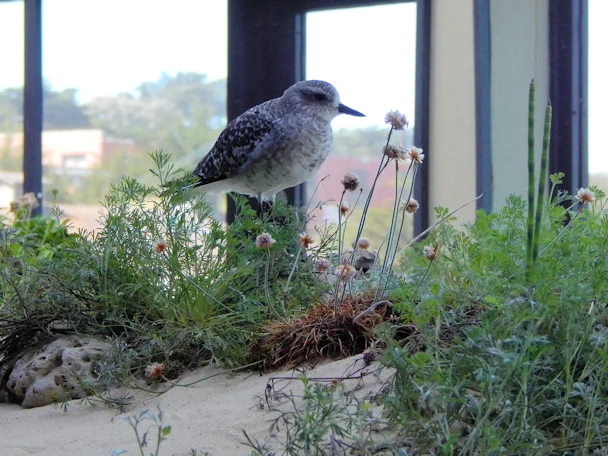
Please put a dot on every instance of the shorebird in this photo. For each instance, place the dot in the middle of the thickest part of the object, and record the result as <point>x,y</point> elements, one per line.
<point>275,145</point>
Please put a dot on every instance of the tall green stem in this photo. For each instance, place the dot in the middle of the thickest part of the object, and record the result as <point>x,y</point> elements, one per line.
<point>542,182</point>
<point>530,238</point>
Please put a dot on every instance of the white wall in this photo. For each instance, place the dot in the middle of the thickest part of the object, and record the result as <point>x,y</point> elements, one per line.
<point>452,111</point>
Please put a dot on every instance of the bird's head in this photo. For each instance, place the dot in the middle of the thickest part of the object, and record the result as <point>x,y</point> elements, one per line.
<point>318,98</point>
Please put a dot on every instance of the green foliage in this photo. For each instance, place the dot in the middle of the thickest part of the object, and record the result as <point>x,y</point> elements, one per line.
<point>326,421</point>
<point>34,238</point>
<point>162,278</point>
<point>509,367</point>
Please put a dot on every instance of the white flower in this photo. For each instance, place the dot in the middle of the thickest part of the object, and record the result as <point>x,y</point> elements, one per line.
<point>411,206</point>
<point>397,120</point>
<point>584,195</point>
<point>416,155</point>
<point>264,241</point>
<point>430,253</point>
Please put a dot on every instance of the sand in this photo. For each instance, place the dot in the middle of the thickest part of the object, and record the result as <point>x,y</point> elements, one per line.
<point>208,416</point>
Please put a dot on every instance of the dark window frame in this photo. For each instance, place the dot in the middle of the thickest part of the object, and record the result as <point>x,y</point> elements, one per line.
<point>568,63</point>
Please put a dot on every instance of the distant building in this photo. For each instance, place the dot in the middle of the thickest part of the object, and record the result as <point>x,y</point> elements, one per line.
<point>73,153</point>
<point>70,149</point>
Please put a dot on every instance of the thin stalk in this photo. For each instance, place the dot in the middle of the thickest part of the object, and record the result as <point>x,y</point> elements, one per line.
<point>437,223</point>
<point>403,213</point>
<point>393,252</point>
<point>391,229</point>
<point>293,269</point>
<point>530,233</point>
<point>381,168</point>
<point>267,289</point>
<point>542,182</point>
<point>421,280</point>
<point>561,233</point>
<point>340,246</point>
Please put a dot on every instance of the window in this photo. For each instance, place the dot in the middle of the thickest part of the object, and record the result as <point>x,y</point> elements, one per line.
<point>11,102</point>
<point>375,72</point>
<point>598,95</point>
<point>120,86</point>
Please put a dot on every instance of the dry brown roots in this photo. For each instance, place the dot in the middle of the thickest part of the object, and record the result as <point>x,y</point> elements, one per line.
<point>326,330</point>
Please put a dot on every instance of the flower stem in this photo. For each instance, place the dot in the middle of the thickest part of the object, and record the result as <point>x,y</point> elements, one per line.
<point>530,231</point>
<point>542,182</point>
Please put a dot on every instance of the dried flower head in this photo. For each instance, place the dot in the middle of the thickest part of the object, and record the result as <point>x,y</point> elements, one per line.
<point>344,207</point>
<point>394,152</point>
<point>350,182</point>
<point>160,247</point>
<point>416,155</point>
<point>345,272</point>
<point>363,243</point>
<point>29,200</point>
<point>264,241</point>
<point>14,206</point>
<point>321,265</point>
<point>411,206</point>
<point>397,120</point>
<point>430,253</point>
<point>368,356</point>
<point>306,240</point>
<point>155,371</point>
<point>584,195</point>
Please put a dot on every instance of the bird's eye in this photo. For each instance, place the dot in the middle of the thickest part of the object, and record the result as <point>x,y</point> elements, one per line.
<point>320,96</point>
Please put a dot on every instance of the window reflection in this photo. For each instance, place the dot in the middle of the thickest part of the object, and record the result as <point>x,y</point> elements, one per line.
<point>368,54</point>
<point>125,79</point>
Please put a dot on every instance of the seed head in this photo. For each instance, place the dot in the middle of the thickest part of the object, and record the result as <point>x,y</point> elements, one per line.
<point>350,182</point>
<point>397,120</point>
<point>264,241</point>
<point>584,195</point>
<point>160,247</point>
<point>306,240</point>
<point>395,152</point>
<point>416,155</point>
<point>155,371</point>
<point>368,356</point>
<point>430,253</point>
<point>345,272</point>
<point>363,243</point>
<point>14,206</point>
<point>29,200</point>
<point>411,206</point>
<point>344,207</point>
<point>321,265</point>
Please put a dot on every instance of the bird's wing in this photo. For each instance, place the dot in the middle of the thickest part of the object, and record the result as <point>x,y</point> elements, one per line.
<point>232,148</point>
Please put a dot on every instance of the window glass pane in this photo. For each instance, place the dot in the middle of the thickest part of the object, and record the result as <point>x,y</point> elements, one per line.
<point>598,94</point>
<point>368,54</point>
<point>126,78</point>
<point>11,103</point>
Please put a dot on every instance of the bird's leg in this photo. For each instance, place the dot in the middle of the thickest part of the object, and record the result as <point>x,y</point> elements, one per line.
<point>266,206</point>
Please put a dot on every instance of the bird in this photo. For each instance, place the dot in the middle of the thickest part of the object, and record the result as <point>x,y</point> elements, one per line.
<point>275,145</point>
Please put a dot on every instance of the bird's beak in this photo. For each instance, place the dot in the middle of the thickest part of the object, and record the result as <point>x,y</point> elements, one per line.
<point>351,112</point>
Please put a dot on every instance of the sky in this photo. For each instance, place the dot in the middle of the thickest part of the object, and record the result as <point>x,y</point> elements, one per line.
<point>367,53</point>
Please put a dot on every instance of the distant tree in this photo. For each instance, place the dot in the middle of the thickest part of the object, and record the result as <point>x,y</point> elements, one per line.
<point>178,114</point>
<point>61,110</point>
<point>366,142</point>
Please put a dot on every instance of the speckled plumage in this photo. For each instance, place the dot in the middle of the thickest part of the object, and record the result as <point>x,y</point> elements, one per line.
<point>275,145</point>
